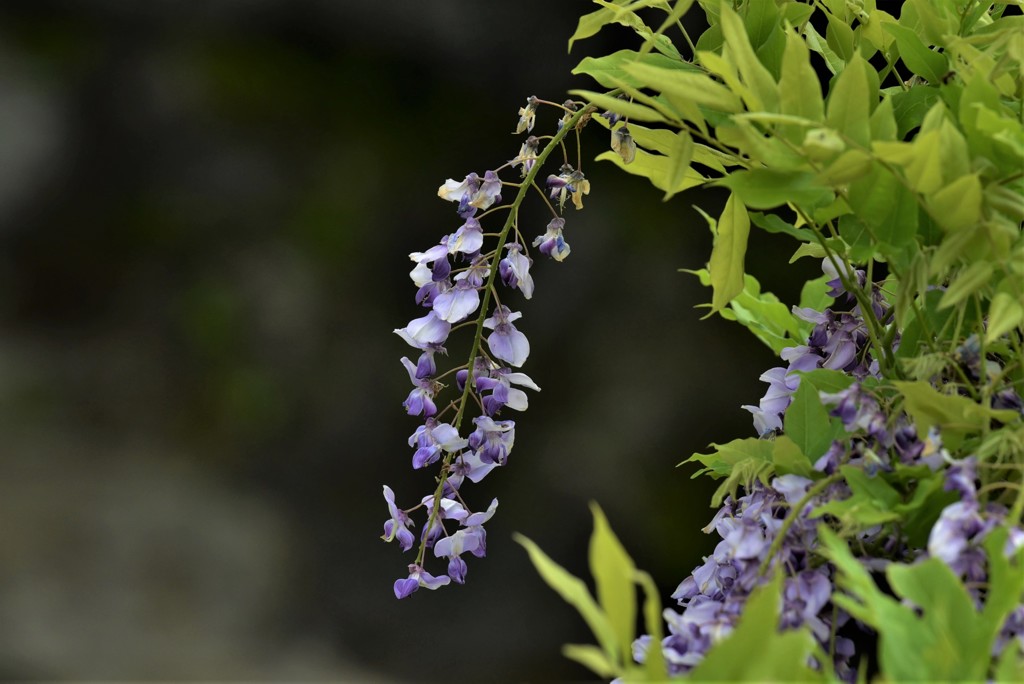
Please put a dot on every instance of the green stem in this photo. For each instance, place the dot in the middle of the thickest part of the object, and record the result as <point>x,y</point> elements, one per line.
<point>474,352</point>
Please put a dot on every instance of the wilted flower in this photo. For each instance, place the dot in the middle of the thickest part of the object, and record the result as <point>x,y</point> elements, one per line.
<point>623,144</point>
<point>568,183</point>
<point>551,242</point>
<point>527,157</point>
<point>527,115</point>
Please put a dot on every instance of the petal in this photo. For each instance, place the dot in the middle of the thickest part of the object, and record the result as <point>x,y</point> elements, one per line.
<point>404,587</point>
<point>523,380</point>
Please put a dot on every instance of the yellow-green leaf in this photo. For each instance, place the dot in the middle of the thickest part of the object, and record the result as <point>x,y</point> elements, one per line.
<point>849,102</point>
<point>754,74</point>
<point>958,205</point>
<point>969,281</point>
<point>613,571</point>
<point>799,91</point>
<point>1004,314</point>
<point>592,658</point>
<point>686,85</point>
<point>574,592</point>
<point>728,253</point>
<point>679,162</point>
<point>656,168</point>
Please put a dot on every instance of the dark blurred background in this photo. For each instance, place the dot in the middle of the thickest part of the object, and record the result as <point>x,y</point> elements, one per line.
<point>205,215</point>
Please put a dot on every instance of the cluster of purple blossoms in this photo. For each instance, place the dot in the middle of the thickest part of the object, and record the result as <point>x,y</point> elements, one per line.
<point>761,531</point>
<point>455,280</point>
<point>713,597</point>
<point>957,537</point>
<point>839,341</point>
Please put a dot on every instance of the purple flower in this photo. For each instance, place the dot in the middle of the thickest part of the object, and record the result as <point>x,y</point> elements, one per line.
<point>457,303</point>
<point>468,464</point>
<point>431,439</point>
<point>507,343</point>
<point>489,192</point>
<point>426,332</point>
<point>418,577</point>
<point>552,243</point>
<point>472,539</point>
<point>420,401</point>
<point>953,532</point>
<point>398,526</point>
<point>492,440</point>
<point>468,239</point>
<point>514,270</point>
<point>500,382</point>
<point>835,282</point>
<point>463,193</point>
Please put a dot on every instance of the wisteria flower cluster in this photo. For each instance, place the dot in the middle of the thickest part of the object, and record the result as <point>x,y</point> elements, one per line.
<point>456,280</point>
<point>775,525</point>
<point>873,524</point>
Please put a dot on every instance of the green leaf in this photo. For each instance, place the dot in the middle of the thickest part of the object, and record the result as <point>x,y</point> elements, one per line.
<point>943,637</point>
<point>628,109</point>
<point>656,168</point>
<point>685,85</point>
<point>885,207</point>
<point>825,380</point>
<point>814,295</point>
<point>922,61</point>
<point>678,10</point>
<point>969,281</point>
<point>679,163</point>
<point>958,204</point>
<point>799,90</point>
<point>790,460</point>
<point>740,462</point>
<point>589,24</point>
<point>871,502</point>
<point>811,249</point>
<point>849,166</point>
<point>1004,314</point>
<point>613,572</point>
<point>756,650</point>
<point>773,224</point>
<point>574,592</point>
<point>910,106</point>
<point>850,101</point>
<point>928,407</point>
<point>654,662</point>
<point>818,44</point>
<point>754,74</point>
<point>592,658</point>
<point>839,37</point>
<point>759,20</point>
<point>767,188</point>
<point>728,252</point>
<point>807,423</point>
<point>883,121</point>
<point>764,315</point>
<point>611,70</point>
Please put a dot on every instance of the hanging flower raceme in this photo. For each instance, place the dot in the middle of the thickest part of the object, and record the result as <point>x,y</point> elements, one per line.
<point>457,281</point>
